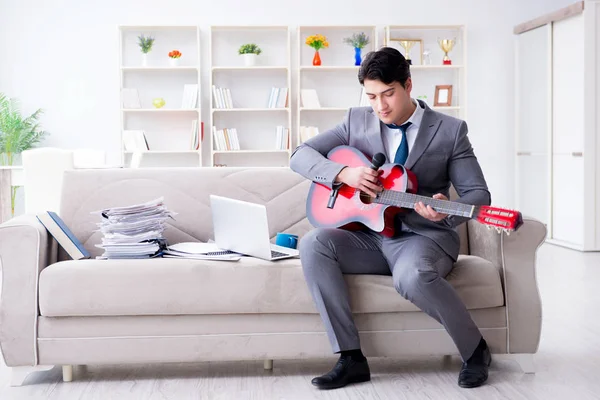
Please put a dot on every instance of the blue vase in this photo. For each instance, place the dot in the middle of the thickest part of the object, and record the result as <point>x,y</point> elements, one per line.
<point>357,56</point>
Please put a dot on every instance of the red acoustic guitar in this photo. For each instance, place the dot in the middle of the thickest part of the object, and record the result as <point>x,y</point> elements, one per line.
<point>350,208</point>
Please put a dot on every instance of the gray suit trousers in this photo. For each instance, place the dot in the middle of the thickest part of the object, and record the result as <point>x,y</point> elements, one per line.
<point>418,267</point>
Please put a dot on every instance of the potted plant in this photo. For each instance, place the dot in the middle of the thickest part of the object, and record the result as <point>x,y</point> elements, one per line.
<point>174,56</point>
<point>359,41</point>
<point>17,133</point>
<point>250,53</point>
<point>145,44</point>
<point>317,42</point>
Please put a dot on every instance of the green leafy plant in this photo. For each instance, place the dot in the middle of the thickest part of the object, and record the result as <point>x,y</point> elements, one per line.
<point>249,48</point>
<point>17,133</point>
<point>357,40</point>
<point>145,43</point>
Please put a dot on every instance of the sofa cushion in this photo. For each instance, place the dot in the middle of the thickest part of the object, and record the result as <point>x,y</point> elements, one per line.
<point>179,287</point>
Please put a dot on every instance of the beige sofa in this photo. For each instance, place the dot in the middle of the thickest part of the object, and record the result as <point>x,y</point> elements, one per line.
<point>56,311</point>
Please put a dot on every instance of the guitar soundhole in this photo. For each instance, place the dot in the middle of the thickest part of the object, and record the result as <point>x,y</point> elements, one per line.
<point>365,198</point>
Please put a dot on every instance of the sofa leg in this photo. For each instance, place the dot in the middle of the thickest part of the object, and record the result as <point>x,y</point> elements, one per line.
<point>525,361</point>
<point>268,364</point>
<point>19,374</point>
<point>67,371</point>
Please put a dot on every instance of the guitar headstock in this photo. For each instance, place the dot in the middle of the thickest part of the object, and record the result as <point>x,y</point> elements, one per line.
<point>500,218</point>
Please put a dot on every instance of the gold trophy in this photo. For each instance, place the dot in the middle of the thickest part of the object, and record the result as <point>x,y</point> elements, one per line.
<point>407,45</point>
<point>446,46</point>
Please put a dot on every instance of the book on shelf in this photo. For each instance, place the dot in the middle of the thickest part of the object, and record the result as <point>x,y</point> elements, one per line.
<point>307,132</point>
<point>196,136</point>
<point>130,98</point>
<point>63,235</point>
<point>226,139</point>
<point>222,97</point>
<point>310,99</point>
<point>283,138</point>
<point>278,98</point>
<point>190,96</point>
<point>135,140</point>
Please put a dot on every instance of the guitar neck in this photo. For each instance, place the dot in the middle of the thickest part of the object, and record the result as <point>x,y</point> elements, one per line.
<point>408,200</point>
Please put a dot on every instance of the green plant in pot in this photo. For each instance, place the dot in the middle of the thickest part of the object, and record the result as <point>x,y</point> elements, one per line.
<point>358,41</point>
<point>17,134</point>
<point>145,43</point>
<point>250,52</point>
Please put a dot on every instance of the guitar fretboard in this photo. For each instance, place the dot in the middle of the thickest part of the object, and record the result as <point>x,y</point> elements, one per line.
<point>408,200</point>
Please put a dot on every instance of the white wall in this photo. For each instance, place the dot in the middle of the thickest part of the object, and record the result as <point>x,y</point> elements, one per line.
<point>62,56</point>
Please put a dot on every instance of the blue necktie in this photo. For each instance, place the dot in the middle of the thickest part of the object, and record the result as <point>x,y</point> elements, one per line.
<point>402,152</point>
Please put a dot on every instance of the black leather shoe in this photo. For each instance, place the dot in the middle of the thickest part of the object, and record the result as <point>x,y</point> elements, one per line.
<point>474,371</point>
<point>346,371</point>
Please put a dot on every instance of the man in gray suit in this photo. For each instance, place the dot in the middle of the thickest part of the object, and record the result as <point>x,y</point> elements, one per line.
<point>436,148</point>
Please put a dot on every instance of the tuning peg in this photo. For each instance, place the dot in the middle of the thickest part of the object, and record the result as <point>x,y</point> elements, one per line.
<point>498,229</point>
<point>507,232</point>
<point>489,227</point>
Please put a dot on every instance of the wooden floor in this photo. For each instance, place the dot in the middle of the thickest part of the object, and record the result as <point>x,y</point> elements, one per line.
<point>568,361</point>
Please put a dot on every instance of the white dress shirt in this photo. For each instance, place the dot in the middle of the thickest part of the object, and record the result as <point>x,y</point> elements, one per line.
<point>392,137</point>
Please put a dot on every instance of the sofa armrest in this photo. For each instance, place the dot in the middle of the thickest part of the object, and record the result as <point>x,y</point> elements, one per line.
<point>515,255</point>
<point>25,250</point>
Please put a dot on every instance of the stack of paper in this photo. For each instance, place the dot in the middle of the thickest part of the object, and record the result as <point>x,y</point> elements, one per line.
<point>133,231</point>
<point>200,251</point>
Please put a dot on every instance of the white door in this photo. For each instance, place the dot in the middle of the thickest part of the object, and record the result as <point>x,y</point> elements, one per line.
<point>568,85</point>
<point>533,90</point>
<point>533,122</point>
<point>532,186</point>
<point>567,194</point>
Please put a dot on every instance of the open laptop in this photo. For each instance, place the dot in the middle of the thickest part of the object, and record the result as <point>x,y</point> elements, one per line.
<point>242,227</point>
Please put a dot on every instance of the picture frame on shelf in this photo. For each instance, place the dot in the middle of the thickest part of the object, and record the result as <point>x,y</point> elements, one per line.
<point>443,96</point>
<point>408,48</point>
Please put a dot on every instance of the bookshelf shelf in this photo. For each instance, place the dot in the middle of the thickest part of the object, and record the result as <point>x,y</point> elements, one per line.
<point>160,110</point>
<point>330,68</point>
<point>323,109</point>
<point>164,152</point>
<point>442,108</point>
<point>160,68</point>
<point>435,67</point>
<point>230,110</point>
<point>248,122</point>
<point>248,151</point>
<point>254,68</point>
<point>167,136</point>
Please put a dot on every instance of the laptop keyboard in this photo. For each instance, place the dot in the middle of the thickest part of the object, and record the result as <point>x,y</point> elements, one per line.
<point>277,254</point>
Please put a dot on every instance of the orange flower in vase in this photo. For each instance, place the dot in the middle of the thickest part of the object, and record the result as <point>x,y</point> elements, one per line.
<point>174,57</point>
<point>317,42</point>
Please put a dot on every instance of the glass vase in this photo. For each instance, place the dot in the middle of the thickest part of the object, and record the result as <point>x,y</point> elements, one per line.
<point>357,56</point>
<point>6,159</point>
<point>317,58</point>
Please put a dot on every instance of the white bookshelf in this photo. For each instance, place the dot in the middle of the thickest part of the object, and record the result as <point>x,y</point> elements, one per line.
<point>168,130</point>
<point>254,119</point>
<point>335,80</point>
<point>425,77</point>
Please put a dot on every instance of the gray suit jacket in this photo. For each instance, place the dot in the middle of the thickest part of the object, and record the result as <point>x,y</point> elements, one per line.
<point>441,155</point>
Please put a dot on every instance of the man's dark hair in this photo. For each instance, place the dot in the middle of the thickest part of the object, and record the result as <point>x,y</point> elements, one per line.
<point>386,65</point>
